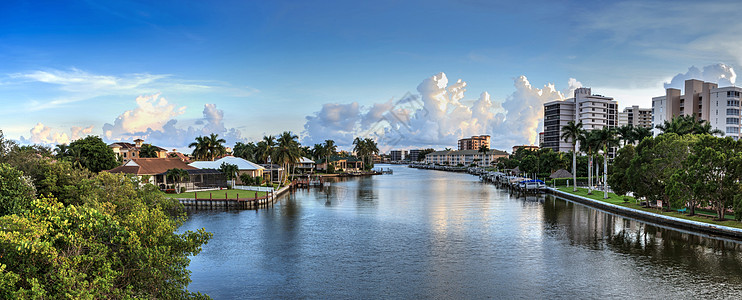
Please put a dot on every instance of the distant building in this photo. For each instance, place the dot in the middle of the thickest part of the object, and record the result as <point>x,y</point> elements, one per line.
<point>474,142</point>
<point>413,155</point>
<point>348,164</point>
<point>720,106</point>
<point>594,111</point>
<point>527,147</point>
<point>541,139</point>
<point>128,151</point>
<point>464,157</point>
<point>635,116</point>
<point>397,155</point>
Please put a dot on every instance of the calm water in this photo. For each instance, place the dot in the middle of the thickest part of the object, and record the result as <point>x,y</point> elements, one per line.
<point>421,234</point>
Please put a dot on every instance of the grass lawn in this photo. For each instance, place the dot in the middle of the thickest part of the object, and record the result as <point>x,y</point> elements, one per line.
<point>701,216</point>
<point>218,194</point>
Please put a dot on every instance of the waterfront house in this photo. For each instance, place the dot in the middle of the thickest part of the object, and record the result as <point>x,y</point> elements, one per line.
<point>347,164</point>
<point>153,170</point>
<point>127,151</point>
<point>464,157</point>
<point>272,172</point>
<point>305,165</point>
<point>244,166</point>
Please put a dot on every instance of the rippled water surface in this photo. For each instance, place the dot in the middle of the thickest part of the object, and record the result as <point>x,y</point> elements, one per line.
<point>421,234</point>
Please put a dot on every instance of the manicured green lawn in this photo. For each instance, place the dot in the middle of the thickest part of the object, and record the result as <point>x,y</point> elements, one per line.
<point>218,194</point>
<point>618,200</point>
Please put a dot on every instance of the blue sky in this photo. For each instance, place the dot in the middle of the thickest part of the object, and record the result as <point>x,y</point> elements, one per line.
<point>248,68</point>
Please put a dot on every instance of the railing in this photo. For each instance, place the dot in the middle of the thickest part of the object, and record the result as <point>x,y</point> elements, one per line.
<point>254,188</point>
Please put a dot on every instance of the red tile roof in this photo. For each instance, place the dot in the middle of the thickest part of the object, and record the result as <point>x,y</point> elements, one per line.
<point>151,166</point>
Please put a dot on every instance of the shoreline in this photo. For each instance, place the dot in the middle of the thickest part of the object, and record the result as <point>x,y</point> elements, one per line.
<point>673,222</point>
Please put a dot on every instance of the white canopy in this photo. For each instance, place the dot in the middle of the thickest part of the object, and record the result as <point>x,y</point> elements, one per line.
<point>242,164</point>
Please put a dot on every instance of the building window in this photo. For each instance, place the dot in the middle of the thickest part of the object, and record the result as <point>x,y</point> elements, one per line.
<point>733,121</point>
<point>732,112</point>
<point>732,129</point>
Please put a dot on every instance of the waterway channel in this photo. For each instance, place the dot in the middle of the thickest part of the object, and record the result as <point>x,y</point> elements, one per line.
<point>423,234</point>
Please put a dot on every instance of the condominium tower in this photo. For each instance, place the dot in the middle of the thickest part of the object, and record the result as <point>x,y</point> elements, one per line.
<point>636,116</point>
<point>594,111</point>
<point>474,143</point>
<point>720,106</point>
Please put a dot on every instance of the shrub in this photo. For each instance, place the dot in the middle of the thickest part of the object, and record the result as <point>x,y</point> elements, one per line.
<point>182,189</point>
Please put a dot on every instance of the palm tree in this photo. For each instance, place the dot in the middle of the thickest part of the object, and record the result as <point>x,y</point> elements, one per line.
<point>330,149</point>
<point>288,152</point>
<point>215,147</point>
<point>61,150</point>
<point>265,148</point>
<point>627,134</point>
<point>177,175</point>
<point>371,148</point>
<point>589,145</point>
<point>571,132</point>
<point>246,151</point>
<point>641,132</point>
<point>148,151</point>
<point>606,138</point>
<point>484,150</point>
<point>230,171</point>
<point>201,148</point>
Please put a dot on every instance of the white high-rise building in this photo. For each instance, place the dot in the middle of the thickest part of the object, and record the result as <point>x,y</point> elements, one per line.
<point>724,110</point>
<point>594,111</point>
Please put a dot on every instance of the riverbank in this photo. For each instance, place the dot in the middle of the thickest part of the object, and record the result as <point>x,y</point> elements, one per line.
<point>681,221</point>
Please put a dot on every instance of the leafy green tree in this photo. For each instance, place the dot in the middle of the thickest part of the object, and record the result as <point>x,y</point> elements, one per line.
<point>94,154</point>
<point>656,160</point>
<point>247,151</point>
<point>423,153</point>
<point>266,148</point>
<point>718,163</point>
<point>529,164</point>
<point>148,151</point>
<point>618,175</point>
<point>16,191</point>
<point>571,133</point>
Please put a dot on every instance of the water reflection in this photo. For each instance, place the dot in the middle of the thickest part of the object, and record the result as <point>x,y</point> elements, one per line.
<point>429,234</point>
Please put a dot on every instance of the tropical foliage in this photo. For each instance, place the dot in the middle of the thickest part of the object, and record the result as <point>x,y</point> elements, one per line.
<point>148,151</point>
<point>89,236</point>
<point>365,148</point>
<point>208,147</point>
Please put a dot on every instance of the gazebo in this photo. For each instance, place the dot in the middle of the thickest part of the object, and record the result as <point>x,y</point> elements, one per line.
<point>561,173</point>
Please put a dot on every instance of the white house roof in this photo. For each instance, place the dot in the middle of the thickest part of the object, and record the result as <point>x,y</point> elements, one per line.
<point>305,160</point>
<point>242,164</point>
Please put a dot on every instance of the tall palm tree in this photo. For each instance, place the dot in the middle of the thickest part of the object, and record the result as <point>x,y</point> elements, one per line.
<point>484,150</point>
<point>61,150</point>
<point>606,138</point>
<point>571,133</point>
<point>215,147</point>
<point>589,145</point>
<point>265,148</point>
<point>201,148</point>
<point>330,149</point>
<point>627,134</point>
<point>287,152</point>
<point>371,149</point>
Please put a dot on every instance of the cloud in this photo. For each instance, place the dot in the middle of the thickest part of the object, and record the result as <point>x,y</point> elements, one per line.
<point>154,120</point>
<point>722,74</point>
<point>45,135</point>
<point>437,117</point>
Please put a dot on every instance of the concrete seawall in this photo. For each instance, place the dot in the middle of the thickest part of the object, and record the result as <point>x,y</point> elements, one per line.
<point>688,225</point>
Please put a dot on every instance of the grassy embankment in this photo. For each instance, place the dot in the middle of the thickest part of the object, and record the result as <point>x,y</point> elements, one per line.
<point>704,216</point>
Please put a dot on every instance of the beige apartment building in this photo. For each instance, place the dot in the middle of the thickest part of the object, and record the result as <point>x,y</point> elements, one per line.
<point>464,157</point>
<point>474,143</point>
<point>703,100</point>
<point>636,116</point>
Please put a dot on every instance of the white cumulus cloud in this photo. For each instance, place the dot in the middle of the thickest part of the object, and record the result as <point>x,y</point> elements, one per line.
<point>45,135</point>
<point>720,73</point>
<point>437,116</point>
